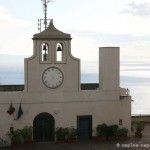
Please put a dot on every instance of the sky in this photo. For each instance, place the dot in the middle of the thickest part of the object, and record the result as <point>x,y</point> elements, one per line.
<point>92,24</point>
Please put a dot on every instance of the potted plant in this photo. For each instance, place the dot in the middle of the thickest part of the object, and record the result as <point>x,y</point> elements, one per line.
<point>3,143</point>
<point>72,133</point>
<point>122,134</point>
<point>11,109</point>
<point>112,132</point>
<point>101,132</point>
<point>61,135</point>
<point>26,132</point>
<point>139,128</point>
<point>16,138</point>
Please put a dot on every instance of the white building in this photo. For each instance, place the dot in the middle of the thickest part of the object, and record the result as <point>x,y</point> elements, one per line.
<point>53,96</point>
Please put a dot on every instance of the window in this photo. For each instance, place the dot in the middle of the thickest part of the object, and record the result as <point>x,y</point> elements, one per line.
<point>59,52</point>
<point>45,50</point>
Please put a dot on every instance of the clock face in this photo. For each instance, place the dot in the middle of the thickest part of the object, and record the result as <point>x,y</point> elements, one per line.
<point>52,77</point>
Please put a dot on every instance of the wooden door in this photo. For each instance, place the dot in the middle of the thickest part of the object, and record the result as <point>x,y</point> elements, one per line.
<point>84,127</point>
<point>43,127</point>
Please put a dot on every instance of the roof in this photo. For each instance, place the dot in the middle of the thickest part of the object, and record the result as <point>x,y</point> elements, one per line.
<point>51,33</point>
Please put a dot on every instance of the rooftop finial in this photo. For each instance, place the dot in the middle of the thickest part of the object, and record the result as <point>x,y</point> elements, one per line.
<point>45,20</point>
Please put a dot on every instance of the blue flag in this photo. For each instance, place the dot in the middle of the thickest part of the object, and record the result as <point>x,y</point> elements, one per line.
<point>20,112</point>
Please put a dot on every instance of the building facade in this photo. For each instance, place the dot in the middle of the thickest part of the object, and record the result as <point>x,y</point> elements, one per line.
<point>53,95</point>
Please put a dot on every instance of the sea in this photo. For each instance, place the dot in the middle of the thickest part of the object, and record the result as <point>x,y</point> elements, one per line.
<point>139,88</point>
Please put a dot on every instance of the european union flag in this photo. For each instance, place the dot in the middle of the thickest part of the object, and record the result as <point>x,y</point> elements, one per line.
<point>20,112</point>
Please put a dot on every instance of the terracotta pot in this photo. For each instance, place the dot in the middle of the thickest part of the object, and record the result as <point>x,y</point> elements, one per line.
<point>28,143</point>
<point>122,137</point>
<point>101,138</point>
<point>73,140</point>
<point>112,138</point>
<point>17,145</point>
<point>60,141</point>
<point>138,134</point>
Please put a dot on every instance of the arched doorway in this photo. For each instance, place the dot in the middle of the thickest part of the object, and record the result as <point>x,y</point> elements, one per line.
<point>43,127</point>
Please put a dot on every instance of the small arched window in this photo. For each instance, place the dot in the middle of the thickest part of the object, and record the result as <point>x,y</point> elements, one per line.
<point>45,50</point>
<point>59,52</point>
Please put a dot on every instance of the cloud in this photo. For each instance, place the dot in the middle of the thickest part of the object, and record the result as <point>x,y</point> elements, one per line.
<point>86,41</point>
<point>14,31</point>
<point>85,48</point>
<point>105,37</point>
<point>135,81</point>
<point>137,9</point>
<point>8,22</point>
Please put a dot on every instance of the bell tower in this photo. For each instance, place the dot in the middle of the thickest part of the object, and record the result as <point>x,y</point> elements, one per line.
<point>52,66</point>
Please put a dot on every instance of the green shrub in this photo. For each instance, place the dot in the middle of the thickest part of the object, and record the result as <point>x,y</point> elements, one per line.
<point>20,135</point>
<point>139,127</point>
<point>26,132</point>
<point>101,130</point>
<point>72,132</point>
<point>3,143</point>
<point>122,131</point>
<point>112,130</point>
<point>15,136</point>
<point>61,133</point>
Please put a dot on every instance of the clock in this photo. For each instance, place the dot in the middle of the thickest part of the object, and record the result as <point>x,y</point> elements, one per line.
<point>52,77</point>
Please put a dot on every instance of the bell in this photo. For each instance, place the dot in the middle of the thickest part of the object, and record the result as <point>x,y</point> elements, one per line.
<point>44,47</point>
<point>59,48</point>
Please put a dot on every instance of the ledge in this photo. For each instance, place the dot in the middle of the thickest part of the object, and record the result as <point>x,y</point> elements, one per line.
<point>84,86</point>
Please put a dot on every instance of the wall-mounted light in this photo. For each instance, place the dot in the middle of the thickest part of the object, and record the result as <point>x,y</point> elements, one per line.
<point>56,111</point>
<point>120,121</point>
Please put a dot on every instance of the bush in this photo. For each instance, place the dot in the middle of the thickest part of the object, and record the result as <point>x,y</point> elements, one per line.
<point>61,133</point>
<point>112,130</point>
<point>15,136</point>
<point>122,131</point>
<point>20,135</point>
<point>139,127</point>
<point>3,143</point>
<point>26,132</point>
<point>72,133</point>
<point>101,130</point>
<point>66,133</point>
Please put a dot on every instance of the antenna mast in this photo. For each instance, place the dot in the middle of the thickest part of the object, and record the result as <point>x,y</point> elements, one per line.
<point>45,20</point>
<point>45,12</point>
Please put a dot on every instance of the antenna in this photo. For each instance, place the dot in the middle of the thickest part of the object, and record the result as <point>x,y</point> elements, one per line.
<point>45,20</point>
<point>45,12</point>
